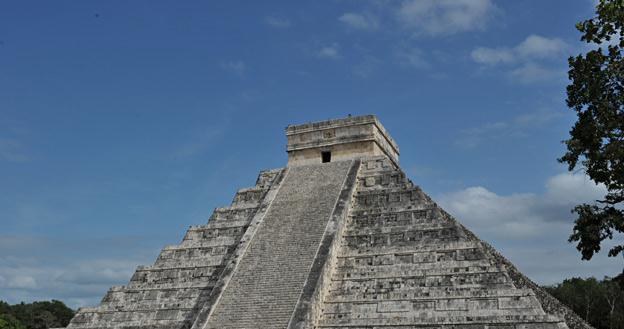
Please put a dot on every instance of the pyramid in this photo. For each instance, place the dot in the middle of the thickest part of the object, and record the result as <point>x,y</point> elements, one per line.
<point>339,238</point>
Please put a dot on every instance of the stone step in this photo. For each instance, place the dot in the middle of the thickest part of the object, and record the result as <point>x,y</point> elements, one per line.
<point>190,257</point>
<point>189,262</point>
<point>226,214</point>
<point>208,232</point>
<point>269,279</point>
<point>423,318</point>
<point>393,229</point>
<point>248,197</point>
<point>406,238</point>
<point>198,282</point>
<point>434,308</point>
<point>427,293</point>
<point>375,272</point>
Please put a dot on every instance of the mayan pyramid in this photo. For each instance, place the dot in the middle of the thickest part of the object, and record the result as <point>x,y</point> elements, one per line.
<point>339,238</point>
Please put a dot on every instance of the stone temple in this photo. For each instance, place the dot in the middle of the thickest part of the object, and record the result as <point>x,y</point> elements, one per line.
<point>339,238</point>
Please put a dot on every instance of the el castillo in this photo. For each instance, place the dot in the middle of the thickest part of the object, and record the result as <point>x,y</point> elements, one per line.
<point>337,238</point>
<point>336,164</point>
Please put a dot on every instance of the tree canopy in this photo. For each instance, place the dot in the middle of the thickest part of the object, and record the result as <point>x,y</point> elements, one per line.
<point>599,302</point>
<point>596,143</point>
<point>36,315</point>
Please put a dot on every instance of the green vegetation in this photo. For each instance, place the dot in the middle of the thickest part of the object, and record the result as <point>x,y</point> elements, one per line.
<point>36,315</point>
<point>596,144</point>
<point>600,303</point>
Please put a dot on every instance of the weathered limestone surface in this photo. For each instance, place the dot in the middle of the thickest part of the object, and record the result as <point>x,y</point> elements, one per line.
<point>405,263</point>
<point>348,138</point>
<point>349,244</point>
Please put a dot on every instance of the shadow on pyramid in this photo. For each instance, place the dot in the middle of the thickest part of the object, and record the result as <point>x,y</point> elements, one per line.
<point>340,238</point>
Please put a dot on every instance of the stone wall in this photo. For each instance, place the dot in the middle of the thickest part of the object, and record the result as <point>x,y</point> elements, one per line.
<point>349,138</point>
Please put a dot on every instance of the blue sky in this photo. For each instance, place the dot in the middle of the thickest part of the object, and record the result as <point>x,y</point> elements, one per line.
<point>124,122</point>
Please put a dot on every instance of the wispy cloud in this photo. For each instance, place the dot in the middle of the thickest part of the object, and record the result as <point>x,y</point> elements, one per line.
<point>493,56</point>
<point>359,21</point>
<point>533,47</point>
<point>444,17</point>
<point>277,22</point>
<point>12,150</point>
<point>532,72</point>
<point>238,68</point>
<point>413,57</point>
<point>366,67</point>
<point>525,63</point>
<point>519,126</point>
<point>329,52</point>
<point>200,141</point>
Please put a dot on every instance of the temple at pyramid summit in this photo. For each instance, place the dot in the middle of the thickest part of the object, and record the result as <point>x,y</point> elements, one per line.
<point>339,238</point>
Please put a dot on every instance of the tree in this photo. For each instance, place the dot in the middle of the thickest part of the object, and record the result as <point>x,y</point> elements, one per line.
<point>600,303</point>
<point>596,143</point>
<point>36,315</point>
<point>8,321</point>
<point>613,296</point>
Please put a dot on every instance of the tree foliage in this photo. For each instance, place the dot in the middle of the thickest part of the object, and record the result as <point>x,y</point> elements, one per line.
<point>36,315</point>
<point>7,321</point>
<point>596,143</point>
<point>600,303</point>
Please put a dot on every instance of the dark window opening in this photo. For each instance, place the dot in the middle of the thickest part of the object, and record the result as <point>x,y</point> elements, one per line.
<point>325,157</point>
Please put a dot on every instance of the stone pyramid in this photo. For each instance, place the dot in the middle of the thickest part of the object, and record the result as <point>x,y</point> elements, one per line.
<point>339,238</point>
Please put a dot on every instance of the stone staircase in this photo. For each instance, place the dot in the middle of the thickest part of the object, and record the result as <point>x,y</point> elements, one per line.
<point>269,280</point>
<point>169,293</point>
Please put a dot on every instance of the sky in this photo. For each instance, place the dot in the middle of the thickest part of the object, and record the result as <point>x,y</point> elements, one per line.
<point>124,122</point>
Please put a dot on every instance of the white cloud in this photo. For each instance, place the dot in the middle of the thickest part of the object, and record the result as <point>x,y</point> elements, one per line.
<point>444,17</point>
<point>359,21</point>
<point>483,210</point>
<point>280,23</point>
<point>236,67</point>
<point>493,56</point>
<point>531,72</point>
<point>332,52</point>
<point>532,229</point>
<point>536,46</point>
<point>526,60</point>
<point>567,188</point>
<point>533,47</point>
<point>521,216</point>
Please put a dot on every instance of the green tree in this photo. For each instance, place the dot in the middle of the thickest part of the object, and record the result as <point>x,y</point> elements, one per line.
<point>613,296</point>
<point>8,321</point>
<point>600,303</point>
<point>596,143</point>
<point>36,315</point>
